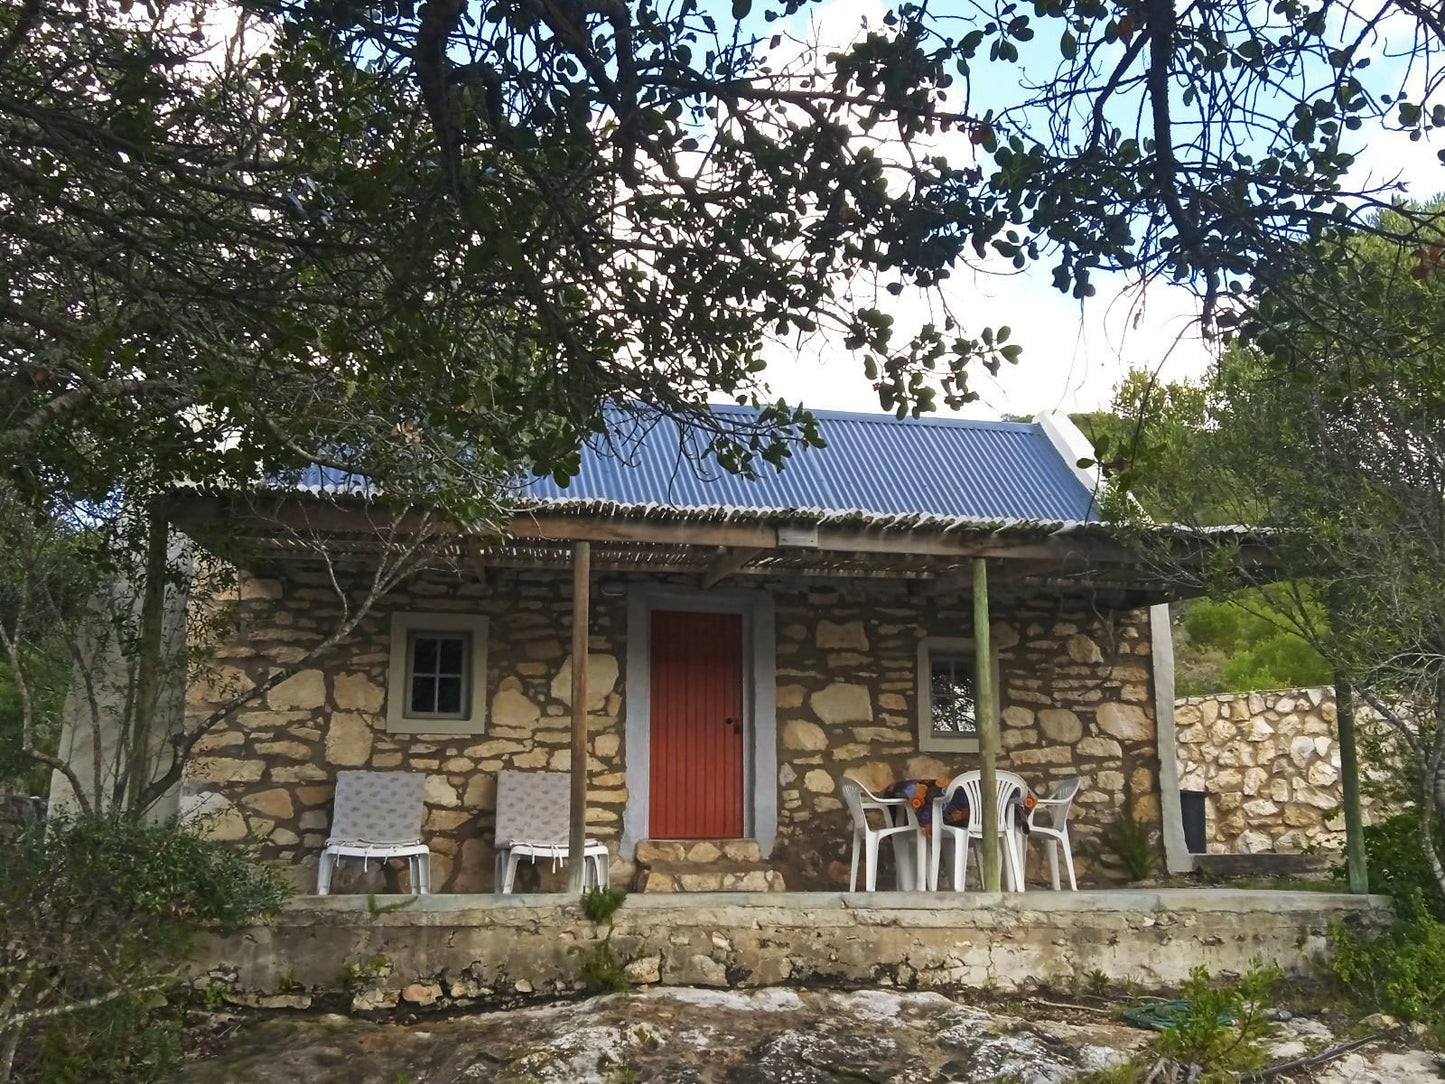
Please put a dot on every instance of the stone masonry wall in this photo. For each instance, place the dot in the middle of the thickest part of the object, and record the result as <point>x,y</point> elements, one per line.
<point>1269,763</point>
<point>1076,699</point>
<point>269,772</point>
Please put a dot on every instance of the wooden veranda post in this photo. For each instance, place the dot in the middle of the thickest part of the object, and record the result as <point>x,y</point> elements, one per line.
<point>133,776</point>
<point>581,612</point>
<point>1350,786</point>
<point>987,704</point>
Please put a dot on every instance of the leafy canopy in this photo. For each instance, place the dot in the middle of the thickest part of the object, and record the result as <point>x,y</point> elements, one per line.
<point>100,912</point>
<point>1334,444</point>
<point>1153,440</point>
<point>428,241</point>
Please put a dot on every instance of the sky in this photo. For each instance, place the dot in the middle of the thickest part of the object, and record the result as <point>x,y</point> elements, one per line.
<point>1074,355</point>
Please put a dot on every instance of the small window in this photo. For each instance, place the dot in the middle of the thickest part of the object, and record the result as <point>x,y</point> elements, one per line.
<point>953,710</point>
<point>436,681</point>
<point>438,678</point>
<point>947,690</point>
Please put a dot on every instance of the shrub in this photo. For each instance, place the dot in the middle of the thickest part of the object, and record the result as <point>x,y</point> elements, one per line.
<point>600,904</point>
<point>1217,1034</point>
<point>1128,844</point>
<point>601,971</point>
<point>1400,971</point>
<point>100,911</point>
<point>1396,863</point>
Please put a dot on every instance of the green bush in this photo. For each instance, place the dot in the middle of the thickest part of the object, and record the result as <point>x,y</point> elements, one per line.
<point>1396,863</point>
<point>600,904</point>
<point>601,971</point>
<point>100,912</point>
<point>1127,844</point>
<point>45,676</point>
<point>1217,1036</point>
<point>1400,971</point>
<point>1222,646</point>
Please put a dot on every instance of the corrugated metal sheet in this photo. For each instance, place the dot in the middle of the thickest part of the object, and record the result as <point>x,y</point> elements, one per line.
<point>873,464</point>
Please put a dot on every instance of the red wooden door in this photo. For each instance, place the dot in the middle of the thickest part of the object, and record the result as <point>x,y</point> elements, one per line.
<point>697,726</point>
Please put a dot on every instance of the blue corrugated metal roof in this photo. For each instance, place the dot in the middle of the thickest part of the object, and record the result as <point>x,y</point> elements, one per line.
<point>873,463</point>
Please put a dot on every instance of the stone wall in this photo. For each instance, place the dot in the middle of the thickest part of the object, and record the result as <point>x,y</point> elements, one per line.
<point>1076,699</point>
<point>268,773</point>
<point>452,952</point>
<point>1270,764</point>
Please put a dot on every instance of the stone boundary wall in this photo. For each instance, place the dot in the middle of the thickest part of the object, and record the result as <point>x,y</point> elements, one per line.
<point>1269,763</point>
<point>481,951</point>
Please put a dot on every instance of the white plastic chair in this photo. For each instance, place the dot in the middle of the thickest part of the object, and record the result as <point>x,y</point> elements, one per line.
<point>860,802</point>
<point>1056,832</point>
<point>1011,789</point>
<point>377,815</point>
<point>532,822</point>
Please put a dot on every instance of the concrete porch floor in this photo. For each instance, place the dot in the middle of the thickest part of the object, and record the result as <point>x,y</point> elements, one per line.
<point>1036,899</point>
<point>488,950</point>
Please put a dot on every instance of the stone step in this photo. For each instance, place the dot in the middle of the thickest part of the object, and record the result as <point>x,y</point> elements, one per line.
<point>709,877</point>
<point>700,851</point>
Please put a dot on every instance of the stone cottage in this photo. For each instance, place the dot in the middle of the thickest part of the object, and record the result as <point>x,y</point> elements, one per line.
<point>750,643</point>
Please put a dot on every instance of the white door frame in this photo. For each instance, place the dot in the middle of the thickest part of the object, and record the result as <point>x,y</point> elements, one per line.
<point>760,720</point>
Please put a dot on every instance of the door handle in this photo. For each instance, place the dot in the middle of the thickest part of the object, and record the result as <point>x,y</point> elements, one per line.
<point>734,723</point>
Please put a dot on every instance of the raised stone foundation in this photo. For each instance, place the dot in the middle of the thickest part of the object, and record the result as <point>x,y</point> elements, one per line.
<point>438,951</point>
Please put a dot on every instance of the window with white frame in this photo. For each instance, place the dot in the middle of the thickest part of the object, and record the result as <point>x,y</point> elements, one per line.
<point>437,677</point>
<point>947,687</point>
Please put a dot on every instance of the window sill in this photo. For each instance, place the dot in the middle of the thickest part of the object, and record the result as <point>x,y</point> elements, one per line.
<point>448,727</point>
<point>931,744</point>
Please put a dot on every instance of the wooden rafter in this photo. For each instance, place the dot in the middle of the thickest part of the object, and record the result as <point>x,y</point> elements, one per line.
<point>728,562</point>
<point>477,560</point>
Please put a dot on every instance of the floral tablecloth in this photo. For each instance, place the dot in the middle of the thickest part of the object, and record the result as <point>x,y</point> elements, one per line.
<point>922,793</point>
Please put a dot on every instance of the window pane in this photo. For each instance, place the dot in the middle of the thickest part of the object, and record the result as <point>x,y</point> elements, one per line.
<point>424,655</point>
<point>439,674</point>
<point>449,695</point>
<point>423,694</point>
<point>952,695</point>
<point>451,655</point>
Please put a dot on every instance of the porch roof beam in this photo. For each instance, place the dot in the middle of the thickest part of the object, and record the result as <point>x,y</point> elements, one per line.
<point>727,563</point>
<point>924,542</point>
<point>1089,558</point>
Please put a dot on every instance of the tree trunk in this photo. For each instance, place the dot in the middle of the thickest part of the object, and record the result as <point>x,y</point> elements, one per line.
<point>135,775</point>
